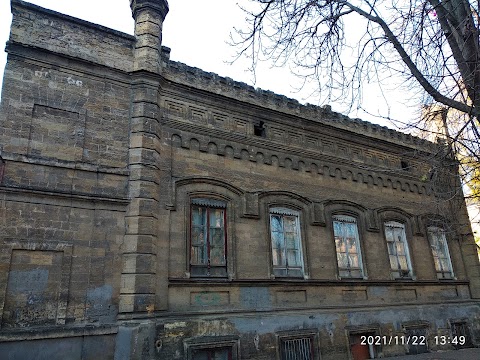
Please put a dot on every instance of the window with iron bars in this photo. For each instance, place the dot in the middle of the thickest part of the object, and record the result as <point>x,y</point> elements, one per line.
<point>297,349</point>
<point>460,328</point>
<point>419,333</point>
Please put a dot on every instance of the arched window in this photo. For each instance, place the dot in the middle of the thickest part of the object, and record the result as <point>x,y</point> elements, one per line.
<point>347,244</point>
<point>398,253</point>
<point>285,236</point>
<point>441,255</point>
<point>208,238</point>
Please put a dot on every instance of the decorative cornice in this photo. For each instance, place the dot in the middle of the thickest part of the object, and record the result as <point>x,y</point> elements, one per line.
<point>296,162</point>
<point>66,63</point>
<point>306,141</point>
<point>224,86</point>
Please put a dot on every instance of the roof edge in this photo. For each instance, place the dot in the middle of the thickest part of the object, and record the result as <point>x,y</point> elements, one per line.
<point>213,82</point>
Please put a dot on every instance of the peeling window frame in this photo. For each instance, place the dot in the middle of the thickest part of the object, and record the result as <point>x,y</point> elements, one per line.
<point>399,274</point>
<point>207,269</point>
<point>342,272</point>
<point>441,272</point>
<point>286,271</point>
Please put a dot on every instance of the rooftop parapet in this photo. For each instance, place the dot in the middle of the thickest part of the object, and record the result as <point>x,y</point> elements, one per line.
<point>226,86</point>
<point>36,27</point>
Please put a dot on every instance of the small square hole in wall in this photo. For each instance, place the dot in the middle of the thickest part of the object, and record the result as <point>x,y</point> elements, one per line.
<point>259,129</point>
<point>405,166</point>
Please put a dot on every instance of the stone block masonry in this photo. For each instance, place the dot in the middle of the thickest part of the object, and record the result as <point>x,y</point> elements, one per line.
<point>150,210</point>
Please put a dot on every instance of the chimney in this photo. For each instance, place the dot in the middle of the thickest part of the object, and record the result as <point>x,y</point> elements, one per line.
<point>149,16</point>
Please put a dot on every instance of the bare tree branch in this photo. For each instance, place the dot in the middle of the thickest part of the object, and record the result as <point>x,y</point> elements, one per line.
<point>433,46</point>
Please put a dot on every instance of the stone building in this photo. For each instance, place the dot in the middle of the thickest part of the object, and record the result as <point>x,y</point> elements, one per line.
<point>150,210</point>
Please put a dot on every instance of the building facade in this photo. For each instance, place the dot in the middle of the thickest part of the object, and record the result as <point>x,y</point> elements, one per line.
<point>150,210</point>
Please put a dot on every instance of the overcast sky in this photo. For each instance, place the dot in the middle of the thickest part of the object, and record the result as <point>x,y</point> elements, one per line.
<point>197,33</point>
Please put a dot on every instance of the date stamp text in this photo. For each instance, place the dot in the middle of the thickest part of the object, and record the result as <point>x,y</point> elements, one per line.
<point>413,340</point>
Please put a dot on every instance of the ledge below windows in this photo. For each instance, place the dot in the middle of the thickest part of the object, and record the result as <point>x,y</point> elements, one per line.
<point>271,295</point>
<point>54,332</point>
<point>310,282</point>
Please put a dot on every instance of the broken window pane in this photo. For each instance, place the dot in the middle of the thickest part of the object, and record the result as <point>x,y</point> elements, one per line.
<point>286,246</point>
<point>398,249</point>
<point>347,246</point>
<point>207,238</point>
<point>441,255</point>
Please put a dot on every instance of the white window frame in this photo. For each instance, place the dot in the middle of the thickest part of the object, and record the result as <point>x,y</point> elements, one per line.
<point>397,272</point>
<point>441,237</point>
<point>342,271</point>
<point>285,270</point>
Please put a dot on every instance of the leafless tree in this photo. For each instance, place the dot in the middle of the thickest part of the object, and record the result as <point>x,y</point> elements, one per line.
<point>433,42</point>
<point>430,44</point>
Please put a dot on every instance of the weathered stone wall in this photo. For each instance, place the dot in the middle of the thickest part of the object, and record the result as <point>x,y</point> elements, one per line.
<point>103,144</point>
<point>226,87</point>
<point>70,37</point>
<point>76,346</point>
<point>64,135</point>
<point>58,112</point>
<point>62,256</point>
<point>258,331</point>
<point>211,149</point>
